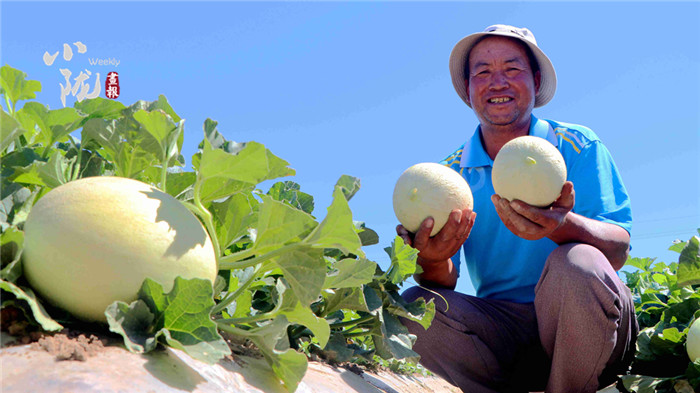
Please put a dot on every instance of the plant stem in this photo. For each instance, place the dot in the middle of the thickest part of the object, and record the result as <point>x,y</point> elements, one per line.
<point>352,322</point>
<point>207,218</point>
<point>230,298</point>
<point>10,107</point>
<point>11,112</point>
<point>191,207</point>
<point>232,329</point>
<point>237,256</point>
<point>250,319</point>
<point>163,176</point>
<point>47,150</point>
<point>357,334</point>
<point>253,318</point>
<point>76,168</point>
<point>352,330</point>
<point>234,261</point>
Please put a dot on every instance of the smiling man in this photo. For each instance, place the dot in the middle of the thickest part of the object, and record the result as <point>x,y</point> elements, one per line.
<point>550,312</point>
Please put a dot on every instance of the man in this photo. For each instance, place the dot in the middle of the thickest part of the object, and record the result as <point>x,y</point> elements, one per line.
<point>550,312</point>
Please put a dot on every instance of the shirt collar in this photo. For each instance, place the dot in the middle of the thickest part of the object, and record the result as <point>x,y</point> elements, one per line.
<point>474,155</point>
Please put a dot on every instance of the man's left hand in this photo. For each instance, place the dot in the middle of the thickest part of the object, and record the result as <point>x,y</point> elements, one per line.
<point>534,223</point>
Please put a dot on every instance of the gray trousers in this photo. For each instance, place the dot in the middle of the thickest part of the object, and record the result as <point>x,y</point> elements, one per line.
<point>577,336</point>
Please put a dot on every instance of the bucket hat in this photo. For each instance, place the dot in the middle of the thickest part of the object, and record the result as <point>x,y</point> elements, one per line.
<point>458,60</point>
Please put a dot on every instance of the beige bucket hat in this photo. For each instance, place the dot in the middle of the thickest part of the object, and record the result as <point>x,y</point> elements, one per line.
<point>458,60</point>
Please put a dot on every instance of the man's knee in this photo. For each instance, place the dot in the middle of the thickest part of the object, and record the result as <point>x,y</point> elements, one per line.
<point>580,288</point>
<point>574,262</point>
<point>576,272</point>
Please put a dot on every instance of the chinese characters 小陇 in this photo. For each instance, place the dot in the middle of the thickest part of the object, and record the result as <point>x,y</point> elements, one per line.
<point>78,88</point>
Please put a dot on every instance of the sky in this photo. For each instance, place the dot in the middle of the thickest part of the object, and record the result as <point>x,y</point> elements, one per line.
<point>363,88</point>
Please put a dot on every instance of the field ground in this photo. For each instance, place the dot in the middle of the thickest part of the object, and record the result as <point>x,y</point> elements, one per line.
<point>87,364</point>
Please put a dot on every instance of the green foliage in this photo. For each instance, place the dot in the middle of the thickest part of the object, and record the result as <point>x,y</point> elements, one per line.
<point>667,301</point>
<point>287,282</point>
<point>37,310</point>
<point>15,87</point>
<point>401,366</point>
<point>179,319</point>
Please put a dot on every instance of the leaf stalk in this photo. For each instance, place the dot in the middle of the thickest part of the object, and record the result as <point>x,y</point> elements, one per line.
<point>362,333</point>
<point>230,298</point>
<point>234,261</point>
<point>353,322</point>
<point>207,218</point>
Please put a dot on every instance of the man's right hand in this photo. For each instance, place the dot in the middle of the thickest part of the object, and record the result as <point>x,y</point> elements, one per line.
<point>435,252</point>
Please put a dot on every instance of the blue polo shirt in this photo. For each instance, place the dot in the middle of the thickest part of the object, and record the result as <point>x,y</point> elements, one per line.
<point>504,266</point>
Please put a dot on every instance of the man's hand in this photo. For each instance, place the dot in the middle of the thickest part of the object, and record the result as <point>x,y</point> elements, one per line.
<point>434,253</point>
<point>533,223</point>
<point>445,243</point>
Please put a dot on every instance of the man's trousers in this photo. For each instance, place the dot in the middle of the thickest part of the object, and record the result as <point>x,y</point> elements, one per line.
<point>577,336</point>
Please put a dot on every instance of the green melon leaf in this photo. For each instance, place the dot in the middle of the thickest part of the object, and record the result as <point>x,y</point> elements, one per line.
<point>349,185</point>
<point>297,312</point>
<point>38,311</point>
<point>337,230</point>
<point>101,108</point>
<point>223,173</point>
<point>403,261</point>
<point>289,365</point>
<point>305,271</point>
<point>290,192</point>
<point>689,263</point>
<point>280,224</point>
<point>349,273</point>
<point>10,130</point>
<point>134,322</point>
<point>180,318</point>
<point>16,86</point>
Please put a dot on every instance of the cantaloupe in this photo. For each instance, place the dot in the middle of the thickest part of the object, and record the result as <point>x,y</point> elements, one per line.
<point>429,190</point>
<point>530,169</point>
<point>94,241</point>
<point>692,344</point>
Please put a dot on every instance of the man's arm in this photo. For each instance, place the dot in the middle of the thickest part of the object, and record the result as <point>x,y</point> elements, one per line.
<point>435,252</point>
<point>610,239</point>
<point>441,274</point>
<point>558,223</point>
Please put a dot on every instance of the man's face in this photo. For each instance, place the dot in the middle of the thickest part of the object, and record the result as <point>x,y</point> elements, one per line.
<point>501,86</point>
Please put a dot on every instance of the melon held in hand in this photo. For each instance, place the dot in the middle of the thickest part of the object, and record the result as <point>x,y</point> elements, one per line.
<point>429,190</point>
<point>94,241</point>
<point>530,169</point>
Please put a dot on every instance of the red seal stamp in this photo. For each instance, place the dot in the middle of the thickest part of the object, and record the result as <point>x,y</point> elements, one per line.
<point>112,85</point>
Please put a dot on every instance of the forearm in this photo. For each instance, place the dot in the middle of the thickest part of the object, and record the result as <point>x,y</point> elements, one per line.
<point>437,273</point>
<point>612,240</point>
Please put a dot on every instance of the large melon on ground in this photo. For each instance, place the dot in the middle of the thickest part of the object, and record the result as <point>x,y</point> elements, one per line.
<point>692,344</point>
<point>93,241</point>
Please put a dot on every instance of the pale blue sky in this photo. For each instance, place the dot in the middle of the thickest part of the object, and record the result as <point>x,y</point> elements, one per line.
<point>363,88</point>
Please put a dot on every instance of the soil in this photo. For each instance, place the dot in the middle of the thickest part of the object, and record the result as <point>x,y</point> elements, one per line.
<point>67,348</point>
<point>80,341</point>
<point>13,322</point>
<point>68,344</point>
